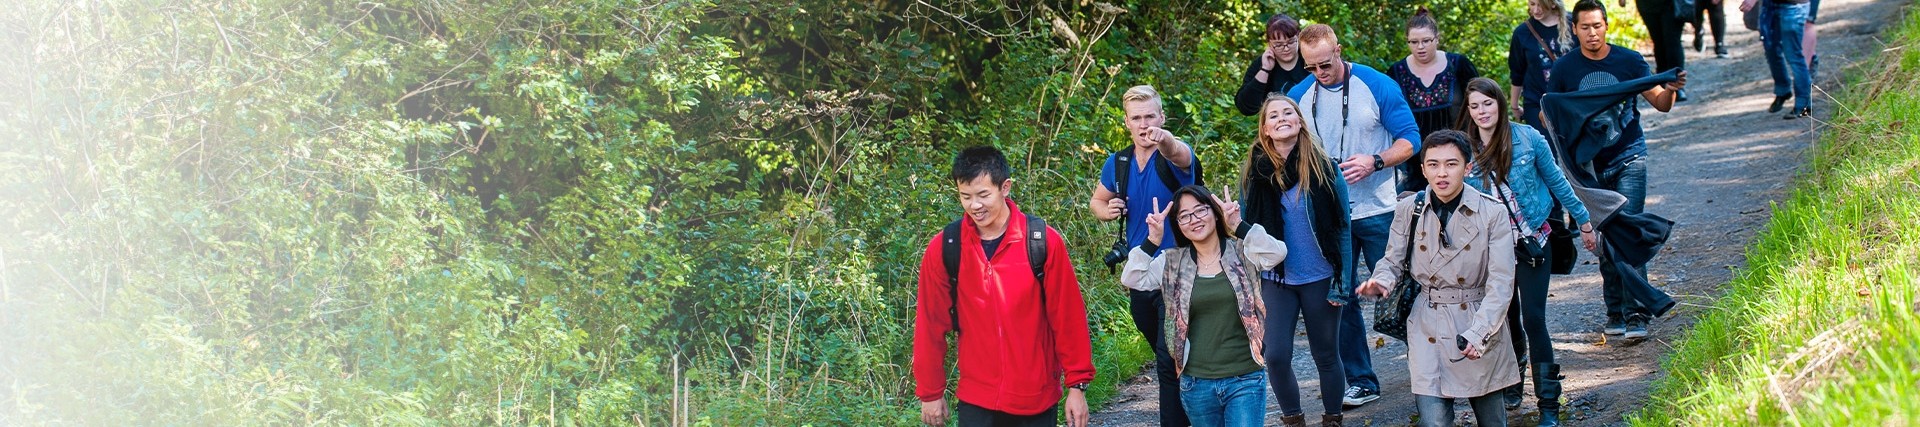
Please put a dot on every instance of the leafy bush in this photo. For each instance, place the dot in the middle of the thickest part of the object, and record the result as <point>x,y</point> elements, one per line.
<point>587,212</point>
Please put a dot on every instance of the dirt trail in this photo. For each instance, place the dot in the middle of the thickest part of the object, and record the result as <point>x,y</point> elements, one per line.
<point>1716,164</point>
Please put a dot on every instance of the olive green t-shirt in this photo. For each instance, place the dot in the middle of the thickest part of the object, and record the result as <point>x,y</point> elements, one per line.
<point>1217,340</point>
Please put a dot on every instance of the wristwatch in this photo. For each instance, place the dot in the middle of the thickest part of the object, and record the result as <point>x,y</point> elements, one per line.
<point>1080,386</point>
<point>1379,163</point>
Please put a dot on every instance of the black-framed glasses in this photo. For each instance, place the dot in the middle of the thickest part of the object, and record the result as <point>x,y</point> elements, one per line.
<point>1197,214</point>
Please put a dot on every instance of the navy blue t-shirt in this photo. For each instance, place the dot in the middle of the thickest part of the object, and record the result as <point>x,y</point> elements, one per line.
<point>1528,62</point>
<point>1143,186</point>
<point>1575,72</point>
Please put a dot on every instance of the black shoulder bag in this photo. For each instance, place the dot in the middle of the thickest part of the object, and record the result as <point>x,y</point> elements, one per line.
<point>1390,314</point>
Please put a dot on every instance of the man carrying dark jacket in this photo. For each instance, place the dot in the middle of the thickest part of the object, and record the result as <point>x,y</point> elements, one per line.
<point>1022,325</point>
<point>1620,162</point>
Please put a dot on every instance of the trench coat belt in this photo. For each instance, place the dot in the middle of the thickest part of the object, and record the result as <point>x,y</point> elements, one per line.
<point>1455,295</point>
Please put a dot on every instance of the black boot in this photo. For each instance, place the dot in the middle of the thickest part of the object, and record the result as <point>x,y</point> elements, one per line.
<point>1546,387</point>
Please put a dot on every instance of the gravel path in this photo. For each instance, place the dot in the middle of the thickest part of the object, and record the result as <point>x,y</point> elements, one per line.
<point>1717,163</point>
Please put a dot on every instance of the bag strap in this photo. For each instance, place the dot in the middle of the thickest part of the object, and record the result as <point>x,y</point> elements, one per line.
<point>1551,55</point>
<point>1507,201</point>
<point>1419,206</point>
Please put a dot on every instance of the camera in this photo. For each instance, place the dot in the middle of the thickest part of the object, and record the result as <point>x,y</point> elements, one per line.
<point>1116,255</point>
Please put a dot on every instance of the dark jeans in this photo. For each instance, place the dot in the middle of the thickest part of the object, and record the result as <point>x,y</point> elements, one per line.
<point>1531,281</point>
<point>1630,180</point>
<point>974,416</point>
<point>1148,308</point>
<point>1664,30</point>
<point>1286,304</point>
<point>1488,411</point>
<point>1369,244</point>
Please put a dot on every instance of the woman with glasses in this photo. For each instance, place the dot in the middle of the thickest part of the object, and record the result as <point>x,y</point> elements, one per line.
<point>1430,79</point>
<point>1516,166</point>
<point>1278,68</point>
<point>1215,321</point>
<point>1460,255</point>
<point>1293,187</point>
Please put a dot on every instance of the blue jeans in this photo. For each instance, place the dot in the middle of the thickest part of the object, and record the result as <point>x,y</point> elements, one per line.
<point>1369,244</point>
<point>1630,180</point>
<point>1782,26</point>
<point>1488,411</point>
<point>1231,401</point>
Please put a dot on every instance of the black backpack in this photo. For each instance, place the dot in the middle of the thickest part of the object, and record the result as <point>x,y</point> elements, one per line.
<point>950,254</point>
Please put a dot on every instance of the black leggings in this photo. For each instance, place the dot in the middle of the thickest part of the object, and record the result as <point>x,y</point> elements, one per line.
<point>1531,285</point>
<point>1712,14</point>
<point>1285,305</point>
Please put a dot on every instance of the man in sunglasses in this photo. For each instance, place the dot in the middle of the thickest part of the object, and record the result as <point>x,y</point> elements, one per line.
<point>1360,118</point>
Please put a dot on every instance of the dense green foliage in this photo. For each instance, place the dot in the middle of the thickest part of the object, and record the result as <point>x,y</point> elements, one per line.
<point>584,212</point>
<point>1821,326</point>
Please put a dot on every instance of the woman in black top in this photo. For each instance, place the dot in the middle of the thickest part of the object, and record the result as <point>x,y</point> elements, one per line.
<point>1531,51</point>
<point>1276,70</point>
<point>1431,79</point>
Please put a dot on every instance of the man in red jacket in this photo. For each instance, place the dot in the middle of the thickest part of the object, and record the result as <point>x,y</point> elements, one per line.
<point>1019,335</point>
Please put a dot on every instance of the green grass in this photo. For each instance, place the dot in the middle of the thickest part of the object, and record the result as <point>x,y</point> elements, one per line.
<point>1821,327</point>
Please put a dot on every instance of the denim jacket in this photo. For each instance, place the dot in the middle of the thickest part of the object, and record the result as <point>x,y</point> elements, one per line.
<point>1535,179</point>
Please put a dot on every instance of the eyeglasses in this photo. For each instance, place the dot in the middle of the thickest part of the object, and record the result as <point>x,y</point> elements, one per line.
<point>1328,66</point>
<point>1422,42</point>
<point>1198,214</point>
<point>1282,43</point>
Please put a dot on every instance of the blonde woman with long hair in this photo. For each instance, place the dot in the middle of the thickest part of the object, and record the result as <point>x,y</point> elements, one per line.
<point>1294,190</point>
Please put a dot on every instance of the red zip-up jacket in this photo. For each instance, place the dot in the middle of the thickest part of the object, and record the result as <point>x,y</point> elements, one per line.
<point>1013,352</point>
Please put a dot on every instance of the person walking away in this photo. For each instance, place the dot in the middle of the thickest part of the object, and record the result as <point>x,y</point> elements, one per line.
<point>1783,25</point>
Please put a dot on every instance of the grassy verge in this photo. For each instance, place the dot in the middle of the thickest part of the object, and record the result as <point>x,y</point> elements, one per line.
<point>1821,328</point>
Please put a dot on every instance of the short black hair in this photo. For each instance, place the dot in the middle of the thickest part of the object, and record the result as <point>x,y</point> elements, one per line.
<point>1445,137</point>
<point>1587,6</point>
<point>981,159</point>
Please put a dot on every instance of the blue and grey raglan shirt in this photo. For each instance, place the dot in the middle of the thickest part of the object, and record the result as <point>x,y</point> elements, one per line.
<point>1376,115</point>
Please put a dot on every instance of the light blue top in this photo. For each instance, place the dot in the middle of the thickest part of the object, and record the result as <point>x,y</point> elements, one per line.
<point>1536,180</point>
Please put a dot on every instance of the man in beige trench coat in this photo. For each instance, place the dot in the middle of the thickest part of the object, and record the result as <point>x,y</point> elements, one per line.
<point>1462,255</point>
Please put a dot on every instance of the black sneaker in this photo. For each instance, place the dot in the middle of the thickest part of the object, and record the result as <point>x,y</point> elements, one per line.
<point>1798,113</point>
<point>1615,325</point>
<point>1680,97</point>
<point>1699,39</point>
<point>1720,51</point>
<point>1357,396</point>
<point>1636,328</point>
<point>1779,101</point>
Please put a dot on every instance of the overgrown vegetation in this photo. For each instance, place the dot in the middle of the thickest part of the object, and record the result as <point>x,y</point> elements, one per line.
<point>586,212</point>
<point>1821,327</point>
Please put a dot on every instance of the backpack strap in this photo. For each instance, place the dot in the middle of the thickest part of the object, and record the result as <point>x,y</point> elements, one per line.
<point>950,255</point>
<point>1037,254</point>
<point>1165,168</point>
